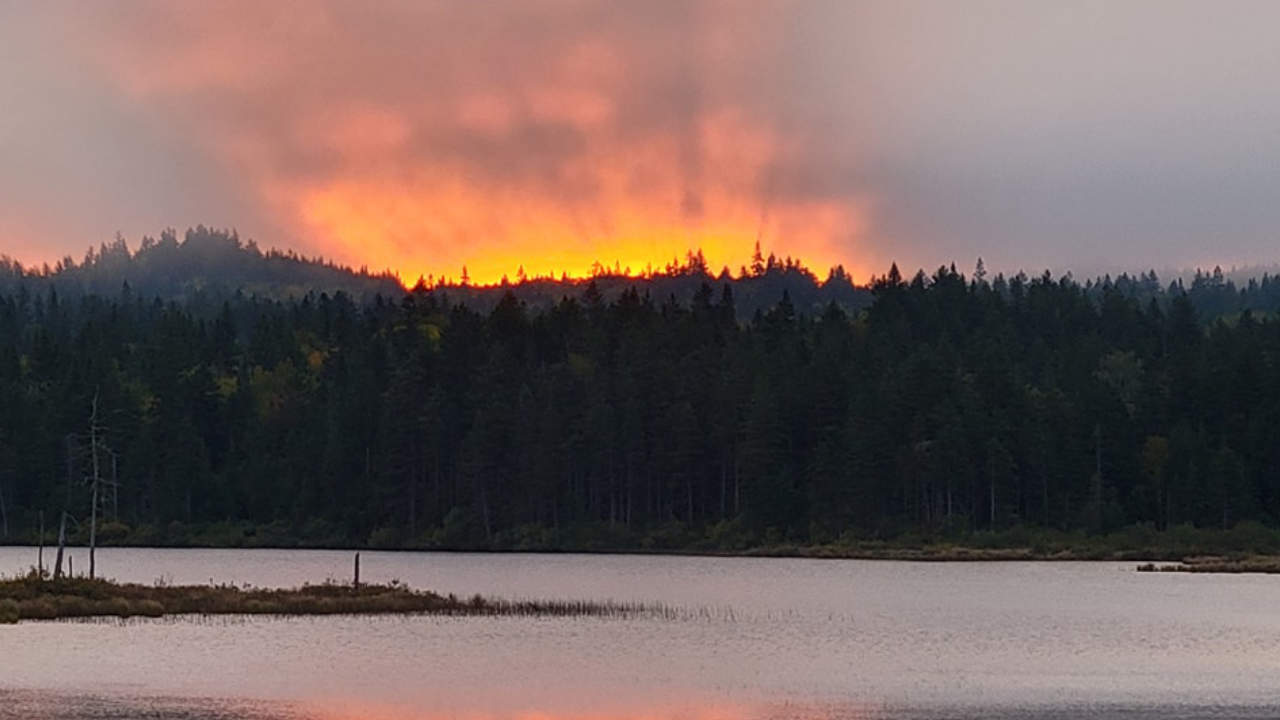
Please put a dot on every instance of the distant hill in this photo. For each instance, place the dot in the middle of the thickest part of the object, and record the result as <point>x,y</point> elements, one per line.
<point>206,263</point>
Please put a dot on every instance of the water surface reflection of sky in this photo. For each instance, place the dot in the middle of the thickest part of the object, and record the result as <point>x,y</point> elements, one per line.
<point>805,639</point>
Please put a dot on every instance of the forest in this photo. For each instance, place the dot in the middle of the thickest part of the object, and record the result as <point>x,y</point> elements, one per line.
<point>617,417</point>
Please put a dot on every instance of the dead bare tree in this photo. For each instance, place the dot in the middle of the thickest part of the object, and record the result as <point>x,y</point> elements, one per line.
<point>98,486</point>
<point>62,523</point>
<point>62,545</point>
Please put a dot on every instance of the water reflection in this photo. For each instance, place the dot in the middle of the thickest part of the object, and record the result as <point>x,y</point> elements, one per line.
<point>53,706</point>
<point>355,711</point>
<point>34,705</point>
<point>815,640</point>
<point>31,705</point>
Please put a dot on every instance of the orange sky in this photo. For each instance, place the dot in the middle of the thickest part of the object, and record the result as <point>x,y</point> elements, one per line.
<point>632,212</point>
<point>425,137</point>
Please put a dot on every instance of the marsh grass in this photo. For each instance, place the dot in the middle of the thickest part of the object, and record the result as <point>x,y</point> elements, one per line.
<point>31,597</point>
<point>1265,564</point>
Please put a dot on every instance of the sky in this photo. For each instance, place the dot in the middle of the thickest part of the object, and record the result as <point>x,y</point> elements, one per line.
<point>551,134</point>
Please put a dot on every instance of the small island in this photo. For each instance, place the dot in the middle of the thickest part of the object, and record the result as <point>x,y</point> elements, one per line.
<point>36,597</point>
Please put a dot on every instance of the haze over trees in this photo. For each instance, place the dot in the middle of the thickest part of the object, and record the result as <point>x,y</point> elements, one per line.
<point>208,266</point>
<point>614,416</point>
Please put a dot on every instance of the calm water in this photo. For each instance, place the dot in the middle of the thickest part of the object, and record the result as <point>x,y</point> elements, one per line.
<point>766,638</point>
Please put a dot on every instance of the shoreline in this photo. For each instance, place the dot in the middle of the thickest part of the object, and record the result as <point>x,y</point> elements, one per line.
<point>924,553</point>
<point>1217,565</point>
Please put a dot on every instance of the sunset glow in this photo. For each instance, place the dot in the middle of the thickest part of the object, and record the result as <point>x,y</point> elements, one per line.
<point>424,135</point>
<point>614,138</point>
<point>639,359</point>
<point>343,710</point>
<point>360,710</point>
<point>626,198</point>
<point>434,226</point>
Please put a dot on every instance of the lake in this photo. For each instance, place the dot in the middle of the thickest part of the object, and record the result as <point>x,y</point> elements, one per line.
<point>758,638</point>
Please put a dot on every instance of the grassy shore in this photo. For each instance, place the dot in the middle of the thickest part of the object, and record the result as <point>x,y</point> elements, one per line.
<point>1265,564</point>
<point>31,597</point>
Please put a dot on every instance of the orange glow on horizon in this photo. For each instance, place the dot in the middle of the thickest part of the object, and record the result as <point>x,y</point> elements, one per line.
<point>362,710</point>
<point>377,229</point>
<point>614,142</point>
<point>622,208</point>
<point>366,711</point>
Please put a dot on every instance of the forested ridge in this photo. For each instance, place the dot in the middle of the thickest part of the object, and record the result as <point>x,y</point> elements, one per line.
<point>204,267</point>
<point>947,405</point>
<point>208,266</point>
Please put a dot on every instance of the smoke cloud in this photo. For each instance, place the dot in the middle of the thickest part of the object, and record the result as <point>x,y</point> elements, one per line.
<point>551,134</point>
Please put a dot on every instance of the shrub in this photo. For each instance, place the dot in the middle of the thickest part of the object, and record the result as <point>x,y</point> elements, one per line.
<point>8,612</point>
<point>385,538</point>
<point>112,532</point>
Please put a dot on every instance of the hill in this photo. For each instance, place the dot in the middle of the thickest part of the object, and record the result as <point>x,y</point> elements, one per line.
<point>206,264</point>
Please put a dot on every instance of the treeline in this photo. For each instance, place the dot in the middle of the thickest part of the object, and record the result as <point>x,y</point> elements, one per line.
<point>947,405</point>
<point>208,266</point>
<point>756,287</point>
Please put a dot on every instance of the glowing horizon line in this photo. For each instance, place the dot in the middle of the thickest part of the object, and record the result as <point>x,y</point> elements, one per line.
<point>598,269</point>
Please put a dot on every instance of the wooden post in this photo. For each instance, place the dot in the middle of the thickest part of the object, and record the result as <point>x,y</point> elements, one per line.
<point>356,581</point>
<point>71,566</point>
<point>40,551</point>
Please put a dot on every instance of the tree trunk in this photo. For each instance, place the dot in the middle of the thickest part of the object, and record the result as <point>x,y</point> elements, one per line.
<point>413,503</point>
<point>948,500</point>
<point>1095,511</point>
<point>62,544</point>
<point>992,486</point>
<point>40,550</point>
<point>724,486</point>
<point>1044,495</point>
<point>737,494</point>
<point>484,510</point>
<point>93,506</point>
<point>115,489</point>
